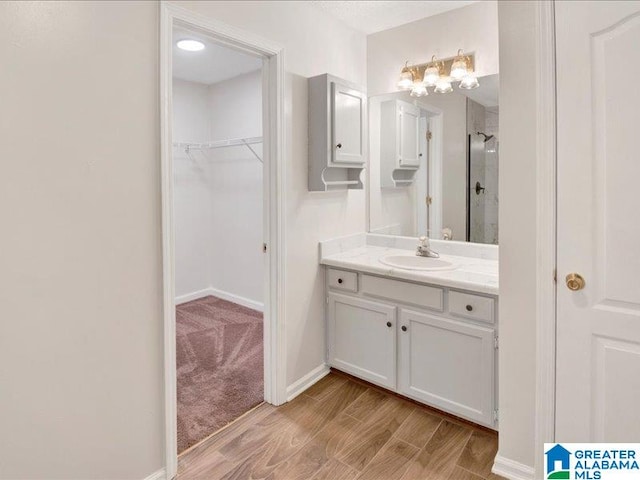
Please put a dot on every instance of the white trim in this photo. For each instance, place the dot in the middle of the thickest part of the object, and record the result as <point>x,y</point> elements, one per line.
<point>307,381</point>
<point>159,475</point>
<point>189,297</point>
<point>274,215</point>
<point>545,232</point>
<point>230,297</point>
<point>512,470</point>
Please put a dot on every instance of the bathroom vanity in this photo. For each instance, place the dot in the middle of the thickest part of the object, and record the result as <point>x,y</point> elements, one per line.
<point>427,330</point>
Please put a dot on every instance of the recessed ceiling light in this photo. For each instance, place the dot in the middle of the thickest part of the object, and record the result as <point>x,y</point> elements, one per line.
<point>190,45</point>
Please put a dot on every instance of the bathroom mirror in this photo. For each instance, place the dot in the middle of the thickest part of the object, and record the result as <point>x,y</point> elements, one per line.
<point>434,164</point>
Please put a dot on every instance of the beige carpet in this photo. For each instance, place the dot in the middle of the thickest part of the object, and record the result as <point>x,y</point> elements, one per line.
<point>219,364</point>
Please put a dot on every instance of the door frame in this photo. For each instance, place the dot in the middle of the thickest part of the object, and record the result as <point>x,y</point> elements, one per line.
<point>546,198</point>
<point>274,206</point>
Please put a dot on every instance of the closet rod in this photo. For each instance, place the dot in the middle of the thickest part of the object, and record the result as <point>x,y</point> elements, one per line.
<point>234,142</point>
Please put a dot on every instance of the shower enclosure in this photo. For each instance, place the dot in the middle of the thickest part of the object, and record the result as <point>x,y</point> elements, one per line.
<point>482,175</point>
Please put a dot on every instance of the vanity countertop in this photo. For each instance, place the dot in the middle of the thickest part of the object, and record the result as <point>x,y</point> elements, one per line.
<point>474,274</point>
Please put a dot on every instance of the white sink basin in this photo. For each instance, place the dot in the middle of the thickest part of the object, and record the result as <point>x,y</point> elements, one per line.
<point>414,262</point>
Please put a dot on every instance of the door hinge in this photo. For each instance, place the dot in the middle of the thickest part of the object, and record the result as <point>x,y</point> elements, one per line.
<point>555,275</point>
<point>495,415</point>
<point>327,300</point>
<point>429,135</point>
<point>495,342</point>
<point>428,199</point>
<point>264,248</point>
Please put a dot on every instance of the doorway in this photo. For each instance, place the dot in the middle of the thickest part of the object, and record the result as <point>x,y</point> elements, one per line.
<point>218,231</point>
<point>259,155</point>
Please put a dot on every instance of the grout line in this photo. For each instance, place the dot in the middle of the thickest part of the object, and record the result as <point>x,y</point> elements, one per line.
<point>469,471</point>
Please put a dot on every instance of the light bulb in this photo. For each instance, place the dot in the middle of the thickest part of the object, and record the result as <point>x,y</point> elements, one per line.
<point>443,86</point>
<point>405,82</point>
<point>190,45</point>
<point>469,82</point>
<point>431,76</point>
<point>458,69</point>
<point>419,90</point>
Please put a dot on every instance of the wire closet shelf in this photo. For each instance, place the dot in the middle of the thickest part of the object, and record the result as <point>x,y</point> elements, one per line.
<point>188,147</point>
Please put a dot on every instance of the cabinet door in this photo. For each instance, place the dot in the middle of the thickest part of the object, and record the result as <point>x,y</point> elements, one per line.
<point>447,364</point>
<point>347,124</point>
<point>362,339</point>
<point>408,135</point>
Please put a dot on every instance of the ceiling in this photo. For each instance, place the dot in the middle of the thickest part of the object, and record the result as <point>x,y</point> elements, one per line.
<point>213,64</point>
<point>374,16</point>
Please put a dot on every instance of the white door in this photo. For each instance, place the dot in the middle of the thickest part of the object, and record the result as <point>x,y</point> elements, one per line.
<point>362,339</point>
<point>408,134</point>
<point>598,332</point>
<point>447,364</point>
<point>348,122</point>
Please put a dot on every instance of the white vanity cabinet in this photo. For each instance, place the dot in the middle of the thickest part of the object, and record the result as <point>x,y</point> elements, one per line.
<point>448,364</point>
<point>363,338</point>
<point>337,133</point>
<point>430,343</point>
<point>400,153</point>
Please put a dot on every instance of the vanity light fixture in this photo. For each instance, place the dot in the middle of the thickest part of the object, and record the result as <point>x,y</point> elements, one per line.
<point>190,45</point>
<point>439,74</point>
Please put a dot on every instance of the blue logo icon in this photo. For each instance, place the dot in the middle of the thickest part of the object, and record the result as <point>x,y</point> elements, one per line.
<point>558,462</point>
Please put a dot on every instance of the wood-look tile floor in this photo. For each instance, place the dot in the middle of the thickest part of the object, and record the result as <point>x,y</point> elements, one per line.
<point>344,429</point>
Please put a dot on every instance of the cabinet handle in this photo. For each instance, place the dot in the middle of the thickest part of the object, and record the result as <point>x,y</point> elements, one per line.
<point>404,328</point>
<point>469,308</point>
<point>339,280</point>
<point>389,324</point>
<point>339,145</point>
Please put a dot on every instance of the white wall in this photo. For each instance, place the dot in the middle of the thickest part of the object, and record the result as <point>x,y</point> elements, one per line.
<point>218,198</point>
<point>517,192</point>
<point>314,43</point>
<point>192,193</point>
<point>235,181</point>
<point>81,356</point>
<point>473,28</point>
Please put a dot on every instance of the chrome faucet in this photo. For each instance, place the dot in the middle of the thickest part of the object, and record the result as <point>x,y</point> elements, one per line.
<point>424,249</point>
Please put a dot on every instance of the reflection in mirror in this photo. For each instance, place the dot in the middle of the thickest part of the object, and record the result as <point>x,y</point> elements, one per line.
<point>434,164</point>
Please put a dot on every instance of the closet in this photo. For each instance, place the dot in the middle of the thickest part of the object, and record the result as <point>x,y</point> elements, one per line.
<point>218,222</point>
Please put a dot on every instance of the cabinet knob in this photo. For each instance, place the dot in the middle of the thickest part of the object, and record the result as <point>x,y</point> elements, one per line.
<point>404,328</point>
<point>339,280</point>
<point>389,324</point>
<point>469,308</point>
<point>339,145</point>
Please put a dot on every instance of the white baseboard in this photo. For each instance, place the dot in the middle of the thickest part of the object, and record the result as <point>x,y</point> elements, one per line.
<point>307,381</point>
<point>159,475</point>
<point>512,470</point>
<point>193,296</point>
<point>230,297</point>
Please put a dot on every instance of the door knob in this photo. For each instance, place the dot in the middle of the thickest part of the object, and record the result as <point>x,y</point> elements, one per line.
<point>575,282</point>
<point>339,145</point>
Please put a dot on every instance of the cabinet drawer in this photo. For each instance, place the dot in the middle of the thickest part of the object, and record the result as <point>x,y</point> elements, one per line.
<point>341,280</point>
<point>405,292</point>
<point>471,306</point>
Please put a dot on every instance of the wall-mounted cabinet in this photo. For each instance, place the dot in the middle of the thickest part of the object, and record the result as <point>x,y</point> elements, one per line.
<point>337,134</point>
<point>400,153</point>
